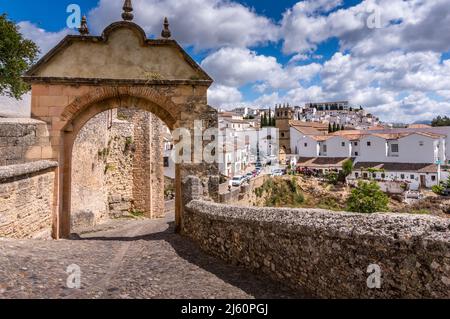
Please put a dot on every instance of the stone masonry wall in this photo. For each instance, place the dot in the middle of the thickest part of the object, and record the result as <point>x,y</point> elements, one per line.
<point>89,189</point>
<point>26,199</point>
<point>327,254</point>
<point>23,140</point>
<point>115,167</point>
<point>119,168</point>
<point>148,168</point>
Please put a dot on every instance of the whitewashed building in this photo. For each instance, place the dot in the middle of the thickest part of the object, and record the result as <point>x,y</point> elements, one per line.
<point>408,155</point>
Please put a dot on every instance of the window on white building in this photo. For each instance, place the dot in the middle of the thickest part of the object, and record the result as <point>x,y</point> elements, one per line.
<point>433,178</point>
<point>394,148</point>
<point>411,177</point>
<point>421,143</point>
<point>402,176</point>
<point>306,144</point>
<point>356,153</point>
<point>343,144</point>
<point>369,143</point>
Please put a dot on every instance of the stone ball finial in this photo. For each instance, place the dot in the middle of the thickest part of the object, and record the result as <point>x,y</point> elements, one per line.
<point>127,11</point>
<point>166,34</point>
<point>83,29</point>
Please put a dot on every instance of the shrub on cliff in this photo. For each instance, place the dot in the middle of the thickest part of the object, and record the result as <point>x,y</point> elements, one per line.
<point>367,198</point>
<point>280,192</point>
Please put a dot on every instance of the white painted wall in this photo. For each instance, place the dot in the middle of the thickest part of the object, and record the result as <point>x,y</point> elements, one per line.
<point>356,148</point>
<point>303,144</point>
<point>416,148</point>
<point>338,147</point>
<point>376,152</point>
<point>412,178</point>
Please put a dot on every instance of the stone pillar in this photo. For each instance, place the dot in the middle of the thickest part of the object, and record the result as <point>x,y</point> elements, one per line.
<point>148,168</point>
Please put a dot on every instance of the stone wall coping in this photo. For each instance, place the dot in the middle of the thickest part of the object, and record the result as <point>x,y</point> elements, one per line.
<point>19,120</point>
<point>388,227</point>
<point>19,170</point>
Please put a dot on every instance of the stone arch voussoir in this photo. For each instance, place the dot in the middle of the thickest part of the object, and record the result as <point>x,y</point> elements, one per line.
<point>140,96</point>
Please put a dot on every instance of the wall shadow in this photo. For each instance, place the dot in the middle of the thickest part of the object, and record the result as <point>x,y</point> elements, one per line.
<point>259,286</point>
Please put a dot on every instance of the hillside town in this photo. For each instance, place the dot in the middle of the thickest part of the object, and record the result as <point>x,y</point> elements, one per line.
<point>416,155</point>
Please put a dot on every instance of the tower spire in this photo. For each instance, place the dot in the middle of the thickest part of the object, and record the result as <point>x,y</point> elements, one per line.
<point>166,32</point>
<point>127,11</point>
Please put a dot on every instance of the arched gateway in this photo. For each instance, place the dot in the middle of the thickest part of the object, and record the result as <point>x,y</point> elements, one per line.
<point>85,75</point>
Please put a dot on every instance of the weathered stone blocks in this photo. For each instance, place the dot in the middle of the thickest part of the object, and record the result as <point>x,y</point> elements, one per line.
<point>26,199</point>
<point>329,253</point>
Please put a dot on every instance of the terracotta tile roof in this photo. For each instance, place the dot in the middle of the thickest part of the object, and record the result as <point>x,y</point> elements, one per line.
<point>400,167</point>
<point>321,138</point>
<point>308,130</point>
<point>322,162</point>
<point>391,136</point>
<point>430,134</point>
<point>419,126</point>
<point>308,124</point>
<point>227,114</point>
<point>395,135</point>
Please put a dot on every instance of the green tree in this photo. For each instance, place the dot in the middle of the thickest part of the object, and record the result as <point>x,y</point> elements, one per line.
<point>367,198</point>
<point>334,129</point>
<point>330,129</point>
<point>264,120</point>
<point>342,127</point>
<point>269,123</point>
<point>16,56</point>
<point>441,121</point>
<point>347,167</point>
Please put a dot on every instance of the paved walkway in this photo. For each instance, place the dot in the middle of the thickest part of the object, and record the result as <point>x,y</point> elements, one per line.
<point>126,259</point>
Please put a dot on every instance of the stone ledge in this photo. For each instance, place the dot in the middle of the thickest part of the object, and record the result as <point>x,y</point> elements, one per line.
<point>343,224</point>
<point>19,120</point>
<point>329,254</point>
<point>12,172</point>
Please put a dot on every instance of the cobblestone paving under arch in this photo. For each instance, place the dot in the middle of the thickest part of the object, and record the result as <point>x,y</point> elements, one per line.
<point>126,259</point>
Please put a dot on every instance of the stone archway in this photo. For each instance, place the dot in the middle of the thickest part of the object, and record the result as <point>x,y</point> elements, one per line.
<point>85,75</point>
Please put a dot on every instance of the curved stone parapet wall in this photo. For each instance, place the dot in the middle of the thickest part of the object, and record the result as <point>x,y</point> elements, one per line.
<point>26,199</point>
<point>328,254</point>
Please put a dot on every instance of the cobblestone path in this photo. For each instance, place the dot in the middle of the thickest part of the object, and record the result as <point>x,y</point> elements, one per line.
<point>126,259</point>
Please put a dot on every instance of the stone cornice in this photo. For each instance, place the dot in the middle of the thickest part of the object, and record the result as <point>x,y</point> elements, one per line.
<point>98,81</point>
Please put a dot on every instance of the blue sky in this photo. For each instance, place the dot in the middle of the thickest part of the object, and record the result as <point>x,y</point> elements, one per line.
<point>391,56</point>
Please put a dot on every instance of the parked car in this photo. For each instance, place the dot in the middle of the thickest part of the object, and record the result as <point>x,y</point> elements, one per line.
<point>237,180</point>
<point>278,172</point>
<point>249,176</point>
